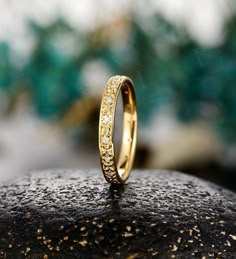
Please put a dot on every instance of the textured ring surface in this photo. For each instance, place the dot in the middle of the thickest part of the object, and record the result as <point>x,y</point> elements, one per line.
<point>119,172</point>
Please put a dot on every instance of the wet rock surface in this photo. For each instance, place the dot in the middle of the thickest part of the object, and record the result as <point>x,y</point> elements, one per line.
<point>76,214</point>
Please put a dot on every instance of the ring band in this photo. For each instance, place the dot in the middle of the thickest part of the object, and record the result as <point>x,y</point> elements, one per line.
<point>117,174</point>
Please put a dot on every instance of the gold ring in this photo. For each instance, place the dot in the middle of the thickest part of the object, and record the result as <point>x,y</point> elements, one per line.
<point>117,174</point>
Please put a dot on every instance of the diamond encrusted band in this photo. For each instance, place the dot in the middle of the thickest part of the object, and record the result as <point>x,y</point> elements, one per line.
<point>117,174</point>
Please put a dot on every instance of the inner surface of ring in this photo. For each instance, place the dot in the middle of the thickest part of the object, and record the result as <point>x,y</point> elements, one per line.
<point>128,143</point>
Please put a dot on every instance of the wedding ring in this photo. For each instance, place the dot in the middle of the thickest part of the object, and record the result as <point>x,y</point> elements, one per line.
<point>117,173</point>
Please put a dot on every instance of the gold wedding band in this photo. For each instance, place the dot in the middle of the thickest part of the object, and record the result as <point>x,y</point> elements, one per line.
<point>117,174</point>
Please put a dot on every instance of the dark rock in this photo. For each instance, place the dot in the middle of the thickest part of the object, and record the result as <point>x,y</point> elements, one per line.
<point>75,214</point>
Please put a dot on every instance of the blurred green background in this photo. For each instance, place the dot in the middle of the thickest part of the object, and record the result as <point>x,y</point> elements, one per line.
<point>55,59</point>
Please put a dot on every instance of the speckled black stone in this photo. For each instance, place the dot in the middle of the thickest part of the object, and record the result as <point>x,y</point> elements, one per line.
<point>76,214</point>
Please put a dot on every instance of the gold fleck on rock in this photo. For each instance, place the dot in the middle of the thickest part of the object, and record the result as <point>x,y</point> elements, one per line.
<point>126,234</point>
<point>83,243</point>
<point>133,256</point>
<point>174,248</point>
<point>39,231</point>
<point>233,237</point>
